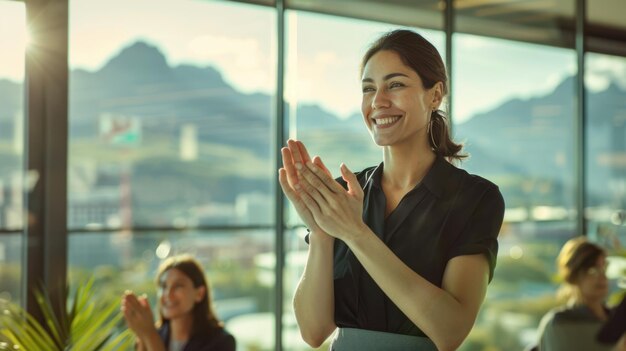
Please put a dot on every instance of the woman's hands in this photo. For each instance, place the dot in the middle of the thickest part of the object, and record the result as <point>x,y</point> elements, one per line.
<point>320,201</point>
<point>138,315</point>
<point>295,152</point>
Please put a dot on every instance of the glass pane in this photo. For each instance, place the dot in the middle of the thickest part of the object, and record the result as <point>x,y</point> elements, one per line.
<point>170,125</point>
<point>549,22</point>
<point>421,13</point>
<point>13,42</point>
<point>295,260</point>
<point>605,131</point>
<point>513,104</point>
<point>238,265</point>
<point>11,267</point>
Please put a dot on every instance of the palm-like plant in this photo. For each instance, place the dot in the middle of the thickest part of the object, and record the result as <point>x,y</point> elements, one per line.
<point>89,324</point>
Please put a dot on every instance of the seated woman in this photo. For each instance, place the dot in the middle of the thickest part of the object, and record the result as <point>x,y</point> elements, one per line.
<point>582,266</point>
<point>187,321</point>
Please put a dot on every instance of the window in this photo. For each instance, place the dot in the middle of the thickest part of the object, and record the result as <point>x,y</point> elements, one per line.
<point>171,146</point>
<point>605,132</point>
<point>13,41</point>
<point>513,105</point>
<point>168,131</point>
<point>172,126</point>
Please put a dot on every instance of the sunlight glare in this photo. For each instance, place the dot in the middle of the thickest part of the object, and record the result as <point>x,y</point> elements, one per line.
<point>12,40</point>
<point>27,39</point>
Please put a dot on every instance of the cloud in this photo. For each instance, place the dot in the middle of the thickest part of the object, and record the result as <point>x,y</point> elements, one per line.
<point>602,70</point>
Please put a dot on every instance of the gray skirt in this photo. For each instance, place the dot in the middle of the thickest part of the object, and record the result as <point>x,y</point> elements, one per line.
<point>351,339</point>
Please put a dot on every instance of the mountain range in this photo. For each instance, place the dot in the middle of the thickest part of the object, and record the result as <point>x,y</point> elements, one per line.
<point>526,146</point>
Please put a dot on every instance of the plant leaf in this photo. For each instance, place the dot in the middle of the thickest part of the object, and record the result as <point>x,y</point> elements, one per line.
<point>87,324</point>
<point>45,305</point>
<point>23,330</point>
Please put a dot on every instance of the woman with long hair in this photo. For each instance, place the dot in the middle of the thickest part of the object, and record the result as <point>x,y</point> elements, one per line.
<point>186,318</point>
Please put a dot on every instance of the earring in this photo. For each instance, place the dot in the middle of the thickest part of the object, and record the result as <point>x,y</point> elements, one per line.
<point>430,129</point>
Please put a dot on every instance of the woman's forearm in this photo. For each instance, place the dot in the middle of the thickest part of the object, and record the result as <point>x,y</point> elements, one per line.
<point>314,301</point>
<point>151,342</point>
<point>446,319</point>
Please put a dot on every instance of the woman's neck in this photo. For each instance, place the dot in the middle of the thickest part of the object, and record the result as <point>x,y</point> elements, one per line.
<point>180,328</point>
<point>405,166</point>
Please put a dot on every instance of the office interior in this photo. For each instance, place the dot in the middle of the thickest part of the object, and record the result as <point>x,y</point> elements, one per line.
<point>131,131</point>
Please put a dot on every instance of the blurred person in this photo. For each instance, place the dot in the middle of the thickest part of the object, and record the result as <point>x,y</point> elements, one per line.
<point>400,255</point>
<point>582,268</point>
<point>186,318</point>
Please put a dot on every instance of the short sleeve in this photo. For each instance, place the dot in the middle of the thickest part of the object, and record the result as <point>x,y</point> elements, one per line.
<point>544,332</point>
<point>480,234</point>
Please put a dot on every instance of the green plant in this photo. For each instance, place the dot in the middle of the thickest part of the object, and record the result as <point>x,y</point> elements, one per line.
<point>88,324</point>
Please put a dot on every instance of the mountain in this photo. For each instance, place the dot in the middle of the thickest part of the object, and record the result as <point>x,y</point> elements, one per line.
<point>533,132</point>
<point>139,82</point>
<point>535,139</point>
<point>520,140</point>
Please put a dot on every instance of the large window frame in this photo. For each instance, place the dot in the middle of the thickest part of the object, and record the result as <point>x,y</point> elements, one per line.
<point>46,234</point>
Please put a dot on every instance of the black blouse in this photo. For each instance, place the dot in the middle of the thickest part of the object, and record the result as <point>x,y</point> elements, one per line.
<point>450,213</point>
<point>215,339</point>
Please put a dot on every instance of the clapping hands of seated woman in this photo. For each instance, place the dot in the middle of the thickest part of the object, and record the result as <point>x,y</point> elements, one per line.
<point>138,314</point>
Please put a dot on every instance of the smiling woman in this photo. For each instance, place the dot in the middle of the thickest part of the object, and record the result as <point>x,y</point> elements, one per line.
<point>400,254</point>
<point>426,85</point>
<point>187,320</point>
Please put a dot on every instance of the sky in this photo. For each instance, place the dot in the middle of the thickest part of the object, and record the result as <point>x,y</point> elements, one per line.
<point>323,51</point>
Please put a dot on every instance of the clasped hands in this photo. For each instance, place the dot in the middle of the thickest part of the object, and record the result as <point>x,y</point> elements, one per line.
<point>322,203</point>
<point>138,314</point>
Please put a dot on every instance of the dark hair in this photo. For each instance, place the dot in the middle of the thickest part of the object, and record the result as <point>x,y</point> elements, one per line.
<point>422,57</point>
<point>204,317</point>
